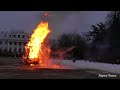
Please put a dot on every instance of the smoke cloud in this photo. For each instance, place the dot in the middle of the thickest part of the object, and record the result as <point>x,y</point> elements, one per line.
<point>73,21</point>
<point>59,21</point>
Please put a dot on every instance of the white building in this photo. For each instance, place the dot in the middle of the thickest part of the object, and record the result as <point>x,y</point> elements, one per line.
<point>13,41</point>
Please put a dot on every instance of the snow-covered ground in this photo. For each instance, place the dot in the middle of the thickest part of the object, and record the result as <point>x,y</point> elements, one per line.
<point>80,64</point>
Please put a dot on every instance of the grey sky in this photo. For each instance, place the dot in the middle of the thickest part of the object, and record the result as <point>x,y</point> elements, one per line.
<point>60,21</point>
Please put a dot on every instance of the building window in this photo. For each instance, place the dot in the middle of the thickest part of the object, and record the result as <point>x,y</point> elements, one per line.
<point>1,43</point>
<point>0,50</point>
<point>10,43</point>
<point>9,35</point>
<point>18,36</point>
<point>15,49</point>
<point>19,43</point>
<point>24,43</point>
<point>5,42</point>
<point>22,36</point>
<point>19,49</point>
<point>14,36</point>
<point>10,49</point>
<point>5,35</point>
<point>15,43</point>
<point>5,50</point>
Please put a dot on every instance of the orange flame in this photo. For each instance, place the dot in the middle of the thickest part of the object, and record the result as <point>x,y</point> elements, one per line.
<point>37,39</point>
<point>36,50</point>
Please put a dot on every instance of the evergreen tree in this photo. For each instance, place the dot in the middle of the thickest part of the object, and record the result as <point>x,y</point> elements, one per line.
<point>98,33</point>
<point>114,33</point>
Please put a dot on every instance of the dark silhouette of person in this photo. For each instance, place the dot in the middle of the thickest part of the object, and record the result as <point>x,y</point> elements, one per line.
<point>74,60</point>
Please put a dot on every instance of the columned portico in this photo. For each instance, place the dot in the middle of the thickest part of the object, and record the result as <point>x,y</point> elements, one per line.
<point>13,41</point>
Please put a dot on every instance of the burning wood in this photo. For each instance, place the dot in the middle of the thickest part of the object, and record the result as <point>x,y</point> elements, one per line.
<point>36,51</point>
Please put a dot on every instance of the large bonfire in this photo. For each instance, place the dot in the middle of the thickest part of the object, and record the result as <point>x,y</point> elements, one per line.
<point>37,53</point>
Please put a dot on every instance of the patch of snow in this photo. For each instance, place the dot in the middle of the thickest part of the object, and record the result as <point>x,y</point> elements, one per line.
<point>80,64</point>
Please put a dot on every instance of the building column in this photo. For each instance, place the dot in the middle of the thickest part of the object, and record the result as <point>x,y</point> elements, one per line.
<point>17,44</point>
<point>12,46</point>
<point>22,43</point>
<point>8,46</point>
<point>3,44</point>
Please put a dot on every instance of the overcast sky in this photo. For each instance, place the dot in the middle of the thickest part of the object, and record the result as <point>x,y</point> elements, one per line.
<point>60,21</point>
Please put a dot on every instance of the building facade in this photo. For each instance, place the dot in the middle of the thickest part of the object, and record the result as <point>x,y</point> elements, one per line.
<point>13,42</point>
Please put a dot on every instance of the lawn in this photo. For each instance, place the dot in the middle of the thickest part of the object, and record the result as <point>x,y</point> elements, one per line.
<point>10,69</point>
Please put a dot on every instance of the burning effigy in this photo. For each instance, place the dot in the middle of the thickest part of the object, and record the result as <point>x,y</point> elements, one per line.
<point>37,53</point>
